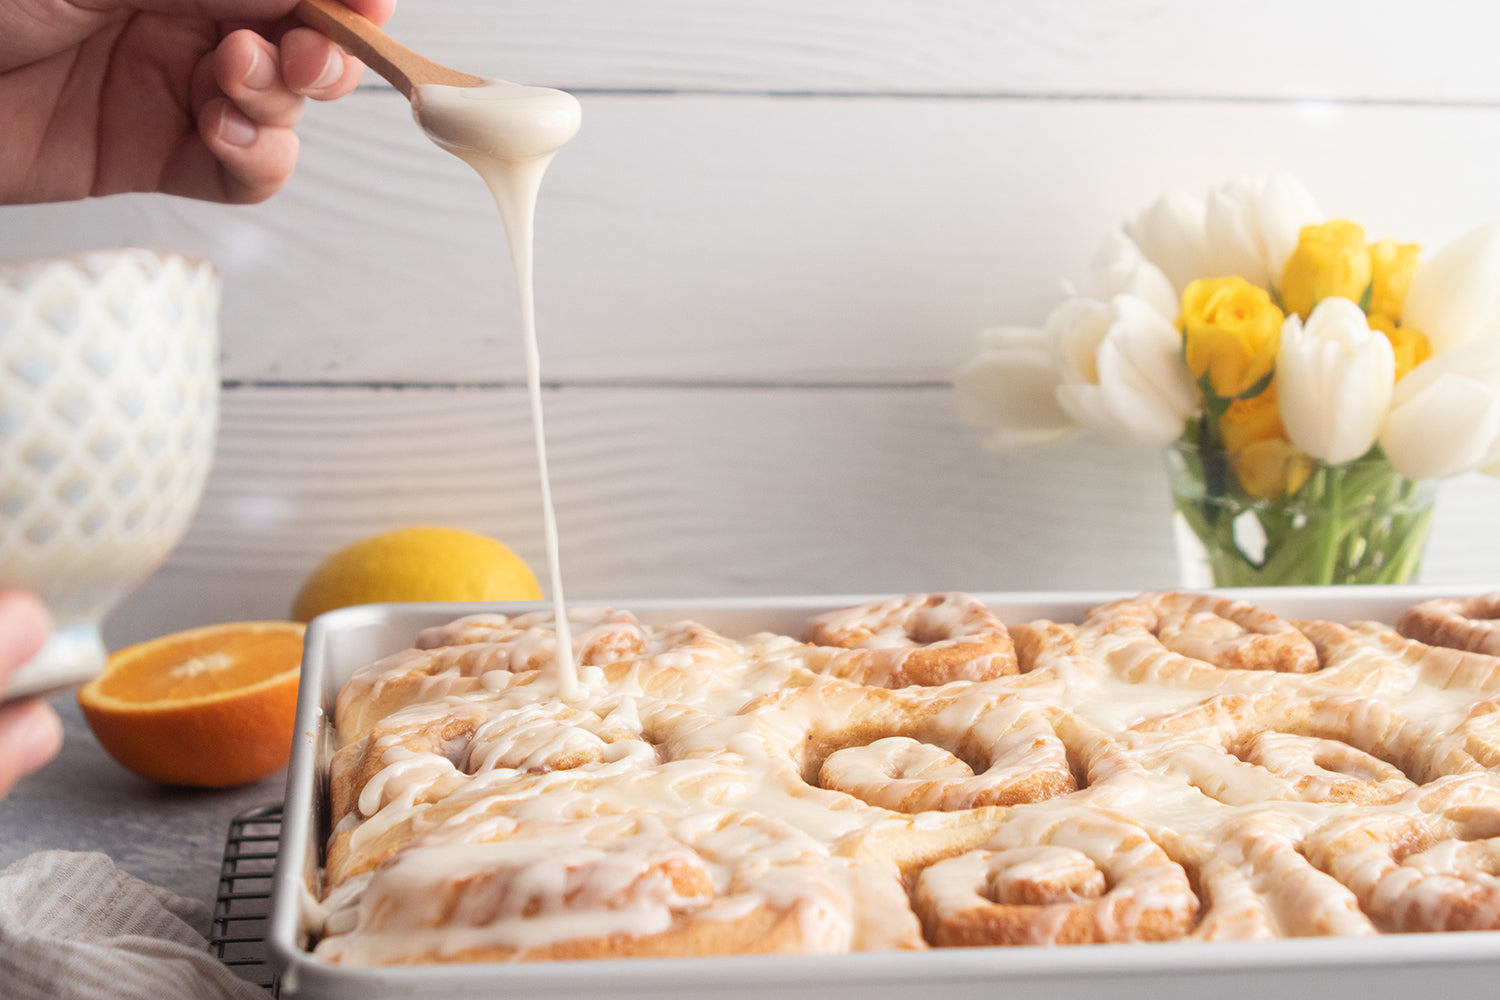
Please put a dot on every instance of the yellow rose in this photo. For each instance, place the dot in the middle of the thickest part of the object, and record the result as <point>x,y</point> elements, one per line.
<point>1266,464</point>
<point>1411,346</point>
<point>1392,265</point>
<point>1250,420</point>
<point>1331,259</point>
<point>1271,468</point>
<point>1230,330</point>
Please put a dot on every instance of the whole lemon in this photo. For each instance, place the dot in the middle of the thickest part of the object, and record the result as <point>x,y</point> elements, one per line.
<point>416,564</point>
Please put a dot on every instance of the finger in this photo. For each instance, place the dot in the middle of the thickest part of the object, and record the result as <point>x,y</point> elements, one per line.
<point>247,70</point>
<point>378,11</point>
<point>242,11</point>
<point>24,624</point>
<point>313,66</point>
<point>203,85</point>
<point>240,161</point>
<point>214,10</point>
<point>31,734</point>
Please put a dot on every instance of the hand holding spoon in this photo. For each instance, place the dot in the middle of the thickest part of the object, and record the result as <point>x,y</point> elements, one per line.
<point>508,133</point>
<point>404,69</point>
<point>463,113</point>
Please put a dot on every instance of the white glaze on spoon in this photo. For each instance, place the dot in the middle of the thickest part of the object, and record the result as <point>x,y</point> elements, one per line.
<point>509,133</point>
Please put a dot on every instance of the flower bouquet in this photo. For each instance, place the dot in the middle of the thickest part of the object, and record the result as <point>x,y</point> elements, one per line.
<point>1308,384</point>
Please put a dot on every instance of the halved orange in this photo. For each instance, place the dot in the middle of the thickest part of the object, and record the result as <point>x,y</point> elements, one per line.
<point>209,707</point>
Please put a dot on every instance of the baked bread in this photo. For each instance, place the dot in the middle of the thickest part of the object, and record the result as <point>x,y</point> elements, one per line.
<point>1173,766</point>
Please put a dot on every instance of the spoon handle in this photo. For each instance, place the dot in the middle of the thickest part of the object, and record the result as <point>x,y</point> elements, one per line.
<point>359,37</point>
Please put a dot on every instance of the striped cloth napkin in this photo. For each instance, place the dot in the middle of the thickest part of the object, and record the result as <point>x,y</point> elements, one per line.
<point>75,927</point>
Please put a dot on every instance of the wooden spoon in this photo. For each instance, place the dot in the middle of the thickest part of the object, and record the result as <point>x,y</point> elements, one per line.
<point>360,37</point>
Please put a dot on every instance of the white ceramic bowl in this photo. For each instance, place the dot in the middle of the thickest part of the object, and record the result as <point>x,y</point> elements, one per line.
<point>108,418</point>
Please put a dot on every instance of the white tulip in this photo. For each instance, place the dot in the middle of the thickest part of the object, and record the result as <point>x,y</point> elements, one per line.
<point>1121,371</point>
<point>1455,296</point>
<point>1010,387</point>
<point>1333,381</point>
<point>1492,464</point>
<point>1445,414</point>
<point>1286,208</point>
<point>1252,225</point>
<point>1172,234</point>
<point>1119,268</point>
<point>1247,227</point>
<point>1232,240</point>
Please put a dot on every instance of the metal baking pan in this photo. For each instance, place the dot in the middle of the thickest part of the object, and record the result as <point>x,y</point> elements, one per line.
<point>1405,965</point>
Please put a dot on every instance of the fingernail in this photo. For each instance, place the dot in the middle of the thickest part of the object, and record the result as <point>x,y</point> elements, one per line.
<point>235,128</point>
<point>261,74</point>
<point>333,69</point>
<point>34,736</point>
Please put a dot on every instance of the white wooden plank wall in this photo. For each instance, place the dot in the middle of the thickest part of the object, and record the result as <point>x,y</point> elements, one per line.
<point>773,241</point>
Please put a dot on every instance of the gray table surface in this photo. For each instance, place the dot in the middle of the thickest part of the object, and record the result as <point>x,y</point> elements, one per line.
<point>84,801</point>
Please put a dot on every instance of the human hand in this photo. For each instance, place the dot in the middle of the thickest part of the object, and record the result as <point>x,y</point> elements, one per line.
<point>188,97</point>
<point>30,731</point>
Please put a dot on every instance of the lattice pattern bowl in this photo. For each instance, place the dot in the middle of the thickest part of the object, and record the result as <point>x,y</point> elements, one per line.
<point>108,419</point>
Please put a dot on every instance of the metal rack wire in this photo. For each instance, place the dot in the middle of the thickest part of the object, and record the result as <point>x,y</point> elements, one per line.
<point>237,936</point>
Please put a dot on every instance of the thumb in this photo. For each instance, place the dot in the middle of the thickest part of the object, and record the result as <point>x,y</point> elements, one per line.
<point>24,624</point>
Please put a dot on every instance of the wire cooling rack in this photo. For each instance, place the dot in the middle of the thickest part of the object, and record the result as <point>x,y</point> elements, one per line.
<point>237,936</point>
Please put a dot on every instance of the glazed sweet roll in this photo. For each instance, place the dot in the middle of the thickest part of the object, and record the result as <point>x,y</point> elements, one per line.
<point>913,773</point>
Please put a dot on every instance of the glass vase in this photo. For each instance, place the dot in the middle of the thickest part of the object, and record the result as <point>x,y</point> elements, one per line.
<point>1360,522</point>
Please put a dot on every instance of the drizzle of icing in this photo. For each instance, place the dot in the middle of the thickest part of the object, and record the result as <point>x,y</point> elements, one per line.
<point>509,134</point>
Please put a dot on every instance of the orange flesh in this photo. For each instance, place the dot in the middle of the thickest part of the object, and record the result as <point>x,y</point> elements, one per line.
<point>207,665</point>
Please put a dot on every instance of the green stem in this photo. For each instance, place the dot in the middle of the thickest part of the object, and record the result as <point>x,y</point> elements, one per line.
<point>1360,522</point>
<point>1333,529</point>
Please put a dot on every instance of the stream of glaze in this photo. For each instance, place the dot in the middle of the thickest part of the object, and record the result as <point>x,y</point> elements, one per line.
<point>509,134</point>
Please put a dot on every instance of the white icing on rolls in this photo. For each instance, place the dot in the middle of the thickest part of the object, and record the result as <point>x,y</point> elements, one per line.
<point>1471,623</point>
<point>1057,877</point>
<point>919,639</point>
<point>705,794</point>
